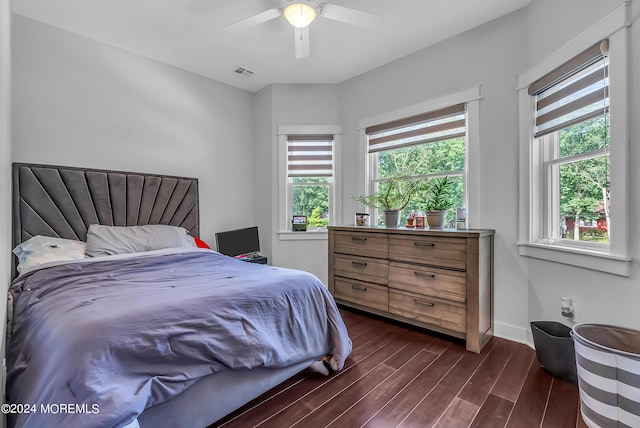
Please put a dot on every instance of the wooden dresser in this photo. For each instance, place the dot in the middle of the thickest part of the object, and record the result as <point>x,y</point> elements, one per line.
<point>441,280</point>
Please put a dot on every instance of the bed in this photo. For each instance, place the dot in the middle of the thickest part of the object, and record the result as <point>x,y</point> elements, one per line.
<point>175,336</point>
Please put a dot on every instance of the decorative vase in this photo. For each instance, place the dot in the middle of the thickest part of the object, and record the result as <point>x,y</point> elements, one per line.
<point>391,219</point>
<point>436,219</point>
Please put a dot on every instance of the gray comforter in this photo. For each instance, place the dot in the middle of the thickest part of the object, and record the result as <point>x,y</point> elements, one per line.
<point>94,343</point>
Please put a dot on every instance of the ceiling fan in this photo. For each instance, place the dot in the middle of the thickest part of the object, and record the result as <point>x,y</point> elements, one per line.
<point>301,15</point>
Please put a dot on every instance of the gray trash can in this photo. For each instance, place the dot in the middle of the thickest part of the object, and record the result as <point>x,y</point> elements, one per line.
<point>608,360</point>
<point>554,349</point>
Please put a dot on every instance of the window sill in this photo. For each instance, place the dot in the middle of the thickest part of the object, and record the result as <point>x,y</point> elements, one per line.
<point>303,236</point>
<point>576,257</point>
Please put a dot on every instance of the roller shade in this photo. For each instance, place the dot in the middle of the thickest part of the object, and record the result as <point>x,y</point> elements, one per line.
<point>438,125</point>
<point>310,155</point>
<point>572,93</point>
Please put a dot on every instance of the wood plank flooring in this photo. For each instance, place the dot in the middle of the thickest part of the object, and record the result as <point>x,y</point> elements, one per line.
<point>397,376</point>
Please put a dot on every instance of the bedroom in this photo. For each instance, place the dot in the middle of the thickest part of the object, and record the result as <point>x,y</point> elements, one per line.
<point>79,102</point>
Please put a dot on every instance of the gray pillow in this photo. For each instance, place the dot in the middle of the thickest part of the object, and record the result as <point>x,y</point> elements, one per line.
<point>110,240</point>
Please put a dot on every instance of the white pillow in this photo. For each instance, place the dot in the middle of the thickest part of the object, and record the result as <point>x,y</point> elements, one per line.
<point>110,240</point>
<point>45,249</point>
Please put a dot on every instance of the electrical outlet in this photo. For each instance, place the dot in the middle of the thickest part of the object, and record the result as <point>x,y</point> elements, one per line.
<point>566,307</point>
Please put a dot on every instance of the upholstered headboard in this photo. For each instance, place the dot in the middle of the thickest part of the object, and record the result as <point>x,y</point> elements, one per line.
<point>62,201</point>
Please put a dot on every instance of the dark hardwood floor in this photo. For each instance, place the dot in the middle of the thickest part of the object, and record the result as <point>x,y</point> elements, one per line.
<point>397,376</point>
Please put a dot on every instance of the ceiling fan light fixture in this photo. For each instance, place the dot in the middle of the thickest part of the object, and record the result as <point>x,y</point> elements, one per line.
<point>300,15</point>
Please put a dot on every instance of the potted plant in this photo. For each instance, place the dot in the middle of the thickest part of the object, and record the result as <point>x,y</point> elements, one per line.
<point>438,201</point>
<point>393,195</point>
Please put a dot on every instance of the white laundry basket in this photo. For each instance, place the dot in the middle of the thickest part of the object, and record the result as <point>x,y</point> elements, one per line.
<point>608,367</point>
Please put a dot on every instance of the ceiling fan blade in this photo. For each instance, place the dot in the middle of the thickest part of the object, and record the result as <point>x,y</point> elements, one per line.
<point>349,16</point>
<point>254,20</point>
<point>303,47</point>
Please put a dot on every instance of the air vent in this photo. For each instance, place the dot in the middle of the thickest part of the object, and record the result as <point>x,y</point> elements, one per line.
<point>241,71</point>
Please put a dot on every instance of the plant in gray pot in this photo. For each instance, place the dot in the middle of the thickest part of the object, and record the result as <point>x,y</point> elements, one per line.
<point>393,195</point>
<point>438,201</point>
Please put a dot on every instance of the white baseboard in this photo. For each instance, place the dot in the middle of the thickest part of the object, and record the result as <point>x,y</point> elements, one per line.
<point>513,333</point>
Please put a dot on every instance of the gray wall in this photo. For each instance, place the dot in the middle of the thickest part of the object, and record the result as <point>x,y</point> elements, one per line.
<point>289,105</point>
<point>598,297</point>
<point>5,172</point>
<point>264,157</point>
<point>491,57</point>
<point>82,103</point>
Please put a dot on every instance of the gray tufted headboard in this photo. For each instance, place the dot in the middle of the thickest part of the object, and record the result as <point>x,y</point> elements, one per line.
<point>62,201</point>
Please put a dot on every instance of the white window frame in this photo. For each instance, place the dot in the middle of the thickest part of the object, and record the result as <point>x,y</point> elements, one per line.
<point>534,239</point>
<point>335,193</point>
<point>471,175</point>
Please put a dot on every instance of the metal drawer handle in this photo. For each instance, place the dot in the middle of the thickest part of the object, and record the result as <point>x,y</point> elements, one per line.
<point>425,275</point>
<point>354,238</point>
<point>357,287</point>
<point>363,264</point>
<point>423,244</point>
<point>420,302</point>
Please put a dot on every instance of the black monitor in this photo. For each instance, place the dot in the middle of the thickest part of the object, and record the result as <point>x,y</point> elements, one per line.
<point>240,241</point>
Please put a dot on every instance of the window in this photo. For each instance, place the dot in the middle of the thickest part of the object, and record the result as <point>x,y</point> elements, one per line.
<point>428,145</point>
<point>443,141</point>
<point>308,175</point>
<point>573,153</point>
<point>310,178</point>
<point>572,132</point>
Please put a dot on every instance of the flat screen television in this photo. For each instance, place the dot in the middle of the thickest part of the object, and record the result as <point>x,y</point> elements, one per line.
<point>240,241</point>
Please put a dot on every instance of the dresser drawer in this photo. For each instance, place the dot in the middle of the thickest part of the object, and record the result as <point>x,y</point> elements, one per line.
<point>362,244</point>
<point>362,268</point>
<point>446,314</point>
<point>362,293</point>
<point>430,250</point>
<point>446,284</point>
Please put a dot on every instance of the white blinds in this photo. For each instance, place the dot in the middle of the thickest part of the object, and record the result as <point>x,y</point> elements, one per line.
<point>310,155</point>
<point>443,124</point>
<point>574,92</point>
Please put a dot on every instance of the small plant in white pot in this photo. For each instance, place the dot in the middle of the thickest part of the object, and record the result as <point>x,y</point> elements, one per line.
<point>438,201</point>
<point>392,197</point>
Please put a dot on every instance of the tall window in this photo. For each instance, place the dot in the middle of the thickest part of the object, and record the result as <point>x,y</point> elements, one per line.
<point>310,175</point>
<point>574,142</point>
<point>572,130</point>
<point>429,145</point>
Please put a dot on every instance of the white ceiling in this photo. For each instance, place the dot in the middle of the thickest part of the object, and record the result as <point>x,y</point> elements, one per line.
<point>191,34</point>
